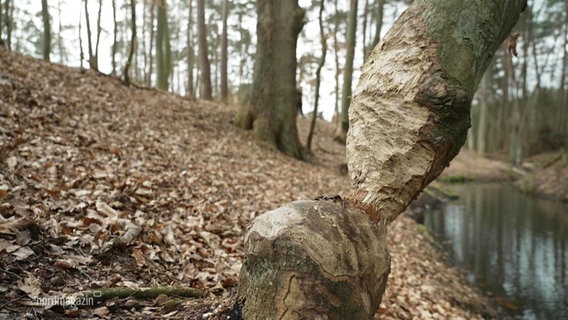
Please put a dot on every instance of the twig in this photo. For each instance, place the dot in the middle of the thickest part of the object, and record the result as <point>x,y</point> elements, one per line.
<point>2,306</point>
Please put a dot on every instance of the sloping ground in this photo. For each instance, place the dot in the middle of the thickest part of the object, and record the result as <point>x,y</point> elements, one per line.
<point>103,186</point>
<point>547,175</point>
<point>468,166</point>
<point>544,175</point>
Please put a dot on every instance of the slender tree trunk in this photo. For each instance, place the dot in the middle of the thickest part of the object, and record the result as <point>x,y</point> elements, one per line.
<point>92,57</point>
<point>524,95</point>
<point>190,52</point>
<point>505,106</point>
<point>379,25</point>
<point>99,30</point>
<point>214,53</point>
<point>364,25</point>
<point>163,50</point>
<point>114,38</point>
<point>483,113</point>
<point>132,41</point>
<point>533,111</point>
<point>348,73</point>
<point>318,76</point>
<point>515,146</point>
<point>81,51</point>
<point>46,47</point>
<point>272,111</point>
<point>337,67</point>
<point>563,116</point>
<point>151,50</point>
<point>241,48</point>
<point>328,258</point>
<point>60,46</point>
<point>224,53</point>
<point>144,66</point>
<point>1,24</point>
<point>205,90</point>
<point>9,23</point>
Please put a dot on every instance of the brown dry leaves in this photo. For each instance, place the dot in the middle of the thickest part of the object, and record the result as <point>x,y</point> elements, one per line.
<point>103,185</point>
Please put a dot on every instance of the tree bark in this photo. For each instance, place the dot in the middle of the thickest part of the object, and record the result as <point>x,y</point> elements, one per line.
<point>348,73</point>
<point>46,47</point>
<point>337,67</point>
<point>60,47</point>
<point>515,142</point>
<point>272,111</point>
<point>190,53</point>
<point>99,30</point>
<point>205,89</point>
<point>563,114</point>
<point>9,16</point>
<point>163,49</point>
<point>92,58</point>
<point>81,51</point>
<point>1,24</point>
<point>224,53</point>
<point>114,38</point>
<point>126,74</point>
<point>151,44</point>
<point>418,85</point>
<point>364,26</point>
<point>318,77</point>
<point>483,113</point>
<point>328,258</point>
<point>379,26</point>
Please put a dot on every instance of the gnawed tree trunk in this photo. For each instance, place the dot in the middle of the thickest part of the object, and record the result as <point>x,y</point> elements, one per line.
<point>327,258</point>
<point>272,110</point>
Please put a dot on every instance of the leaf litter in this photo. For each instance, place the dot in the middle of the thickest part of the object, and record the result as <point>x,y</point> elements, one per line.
<point>108,186</point>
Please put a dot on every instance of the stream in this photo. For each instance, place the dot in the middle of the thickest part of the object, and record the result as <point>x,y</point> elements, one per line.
<point>514,247</point>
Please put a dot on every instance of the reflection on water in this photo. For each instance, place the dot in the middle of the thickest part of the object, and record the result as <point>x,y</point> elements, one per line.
<point>510,244</point>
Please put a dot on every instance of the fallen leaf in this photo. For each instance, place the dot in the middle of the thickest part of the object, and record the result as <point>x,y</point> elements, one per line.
<point>22,253</point>
<point>23,237</point>
<point>31,286</point>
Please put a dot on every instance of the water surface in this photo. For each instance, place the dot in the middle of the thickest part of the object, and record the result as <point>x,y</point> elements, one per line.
<point>511,245</point>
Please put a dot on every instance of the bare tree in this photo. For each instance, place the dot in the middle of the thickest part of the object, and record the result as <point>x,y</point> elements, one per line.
<point>224,53</point>
<point>318,76</point>
<point>46,45</point>
<point>341,131</point>
<point>272,110</point>
<point>205,70</point>
<point>163,49</point>
<point>126,75</point>
<point>190,51</point>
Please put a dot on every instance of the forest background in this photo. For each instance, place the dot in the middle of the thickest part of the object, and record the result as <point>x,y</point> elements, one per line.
<point>520,108</point>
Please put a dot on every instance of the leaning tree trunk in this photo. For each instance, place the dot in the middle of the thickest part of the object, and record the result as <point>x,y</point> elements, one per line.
<point>271,112</point>
<point>328,258</point>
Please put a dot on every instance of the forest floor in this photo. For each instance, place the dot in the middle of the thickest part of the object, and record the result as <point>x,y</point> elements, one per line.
<point>108,186</point>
